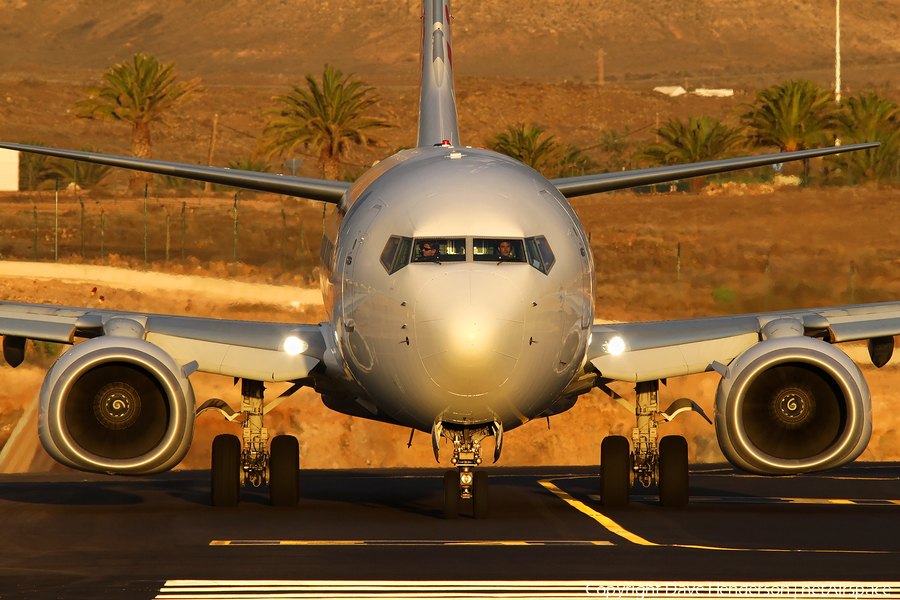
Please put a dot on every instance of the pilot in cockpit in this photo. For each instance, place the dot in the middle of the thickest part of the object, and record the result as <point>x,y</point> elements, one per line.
<point>503,250</point>
<point>429,250</point>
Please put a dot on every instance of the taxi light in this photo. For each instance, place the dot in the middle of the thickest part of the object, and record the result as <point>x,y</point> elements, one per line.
<point>294,345</point>
<point>615,345</point>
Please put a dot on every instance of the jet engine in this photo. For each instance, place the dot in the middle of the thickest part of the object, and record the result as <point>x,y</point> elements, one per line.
<point>792,405</point>
<point>117,405</point>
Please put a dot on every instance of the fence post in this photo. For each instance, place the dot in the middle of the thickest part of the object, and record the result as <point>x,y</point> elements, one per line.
<point>678,282</point>
<point>283,240</point>
<point>234,258</point>
<point>167,236</point>
<point>146,262</point>
<point>183,227</point>
<point>82,231</point>
<point>35,234</point>
<point>300,245</point>
<point>102,232</point>
<point>56,223</point>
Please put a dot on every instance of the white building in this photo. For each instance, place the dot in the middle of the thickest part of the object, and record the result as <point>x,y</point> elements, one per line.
<point>9,170</point>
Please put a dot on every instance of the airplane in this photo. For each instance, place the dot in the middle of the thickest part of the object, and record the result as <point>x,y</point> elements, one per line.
<point>459,290</point>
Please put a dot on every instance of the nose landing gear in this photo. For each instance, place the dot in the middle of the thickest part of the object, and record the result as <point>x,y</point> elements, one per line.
<point>466,483</point>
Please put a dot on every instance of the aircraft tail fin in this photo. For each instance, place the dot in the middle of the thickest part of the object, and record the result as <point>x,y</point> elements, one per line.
<point>437,103</point>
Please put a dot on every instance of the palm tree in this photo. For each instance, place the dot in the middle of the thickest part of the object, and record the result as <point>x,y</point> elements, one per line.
<point>33,168</point>
<point>83,174</point>
<point>326,117</point>
<point>795,115</point>
<point>138,93</point>
<point>697,140</point>
<point>870,119</point>
<point>547,156</point>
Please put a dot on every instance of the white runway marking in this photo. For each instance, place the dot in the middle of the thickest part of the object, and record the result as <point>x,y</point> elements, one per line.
<point>806,590</point>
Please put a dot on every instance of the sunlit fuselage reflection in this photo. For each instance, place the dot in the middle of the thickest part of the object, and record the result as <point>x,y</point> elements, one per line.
<point>460,341</point>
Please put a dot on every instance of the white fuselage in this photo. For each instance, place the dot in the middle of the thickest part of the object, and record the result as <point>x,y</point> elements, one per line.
<point>466,341</point>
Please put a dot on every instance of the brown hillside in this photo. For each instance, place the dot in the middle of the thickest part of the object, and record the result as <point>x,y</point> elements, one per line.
<point>533,60</point>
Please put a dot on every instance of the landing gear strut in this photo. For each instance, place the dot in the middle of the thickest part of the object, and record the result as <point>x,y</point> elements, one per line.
<point>236,462</point>
<point>664,462</point>
<point>466,483</point>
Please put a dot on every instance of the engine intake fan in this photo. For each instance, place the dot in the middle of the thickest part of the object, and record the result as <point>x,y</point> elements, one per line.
<point>116,404</point>
<point>792,405</point>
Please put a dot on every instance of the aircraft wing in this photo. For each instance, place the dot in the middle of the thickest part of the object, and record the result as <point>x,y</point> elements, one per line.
<point>301,187</point>
<point>246,349</point>
<point>658,350</point>
<point>571,187</point>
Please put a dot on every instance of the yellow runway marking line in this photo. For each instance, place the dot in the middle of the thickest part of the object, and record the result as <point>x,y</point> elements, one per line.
<point>410,543</point>
<point>617,529</point>
<point>608,523</point>
<point>772,500</point>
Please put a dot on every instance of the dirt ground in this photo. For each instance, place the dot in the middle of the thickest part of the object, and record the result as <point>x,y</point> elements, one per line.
<point>534,61</point>
<point>811,237</point>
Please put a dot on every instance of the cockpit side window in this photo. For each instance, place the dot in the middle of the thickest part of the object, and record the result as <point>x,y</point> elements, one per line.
<point>498,250</point>
<point>395,255</point>
<point>439,250</point>
<point>540,256</point>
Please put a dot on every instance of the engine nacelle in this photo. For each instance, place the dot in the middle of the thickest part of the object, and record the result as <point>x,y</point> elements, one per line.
<point>116,404</point>
<point>792,405</point>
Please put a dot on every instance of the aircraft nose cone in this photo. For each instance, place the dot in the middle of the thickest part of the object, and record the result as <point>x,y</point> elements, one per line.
<point>469,330</point>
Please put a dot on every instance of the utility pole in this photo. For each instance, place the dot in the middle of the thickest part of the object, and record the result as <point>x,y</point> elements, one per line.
<point>837,58</point>
<point>600,74</point>
<point>212,148</point>
<point>837,52</point>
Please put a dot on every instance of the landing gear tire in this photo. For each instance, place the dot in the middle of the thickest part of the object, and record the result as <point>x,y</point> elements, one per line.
<point>673,471</point>
<point>225,471</point>
<point>451,495</point>
<point>615,471</point>
<point>480,495</point>
<point>284,471</point>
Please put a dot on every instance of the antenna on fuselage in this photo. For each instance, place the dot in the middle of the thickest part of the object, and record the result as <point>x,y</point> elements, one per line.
<point>437,103</point>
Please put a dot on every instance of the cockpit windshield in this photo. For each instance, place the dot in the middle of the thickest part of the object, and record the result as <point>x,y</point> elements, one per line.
<point>498,250</point>
<point>400,251</point>
<point>439,250</point>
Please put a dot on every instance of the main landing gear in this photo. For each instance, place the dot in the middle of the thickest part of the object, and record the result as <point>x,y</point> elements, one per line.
<point>236,463</point>
<point>466,483</point>
<point>664,462</point>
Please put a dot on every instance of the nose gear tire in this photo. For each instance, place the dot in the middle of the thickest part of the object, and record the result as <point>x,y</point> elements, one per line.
<point>480,495</point>
<point>451,495</point>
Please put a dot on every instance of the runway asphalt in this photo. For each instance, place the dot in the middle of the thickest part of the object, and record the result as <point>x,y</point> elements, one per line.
<point>374,532</point>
